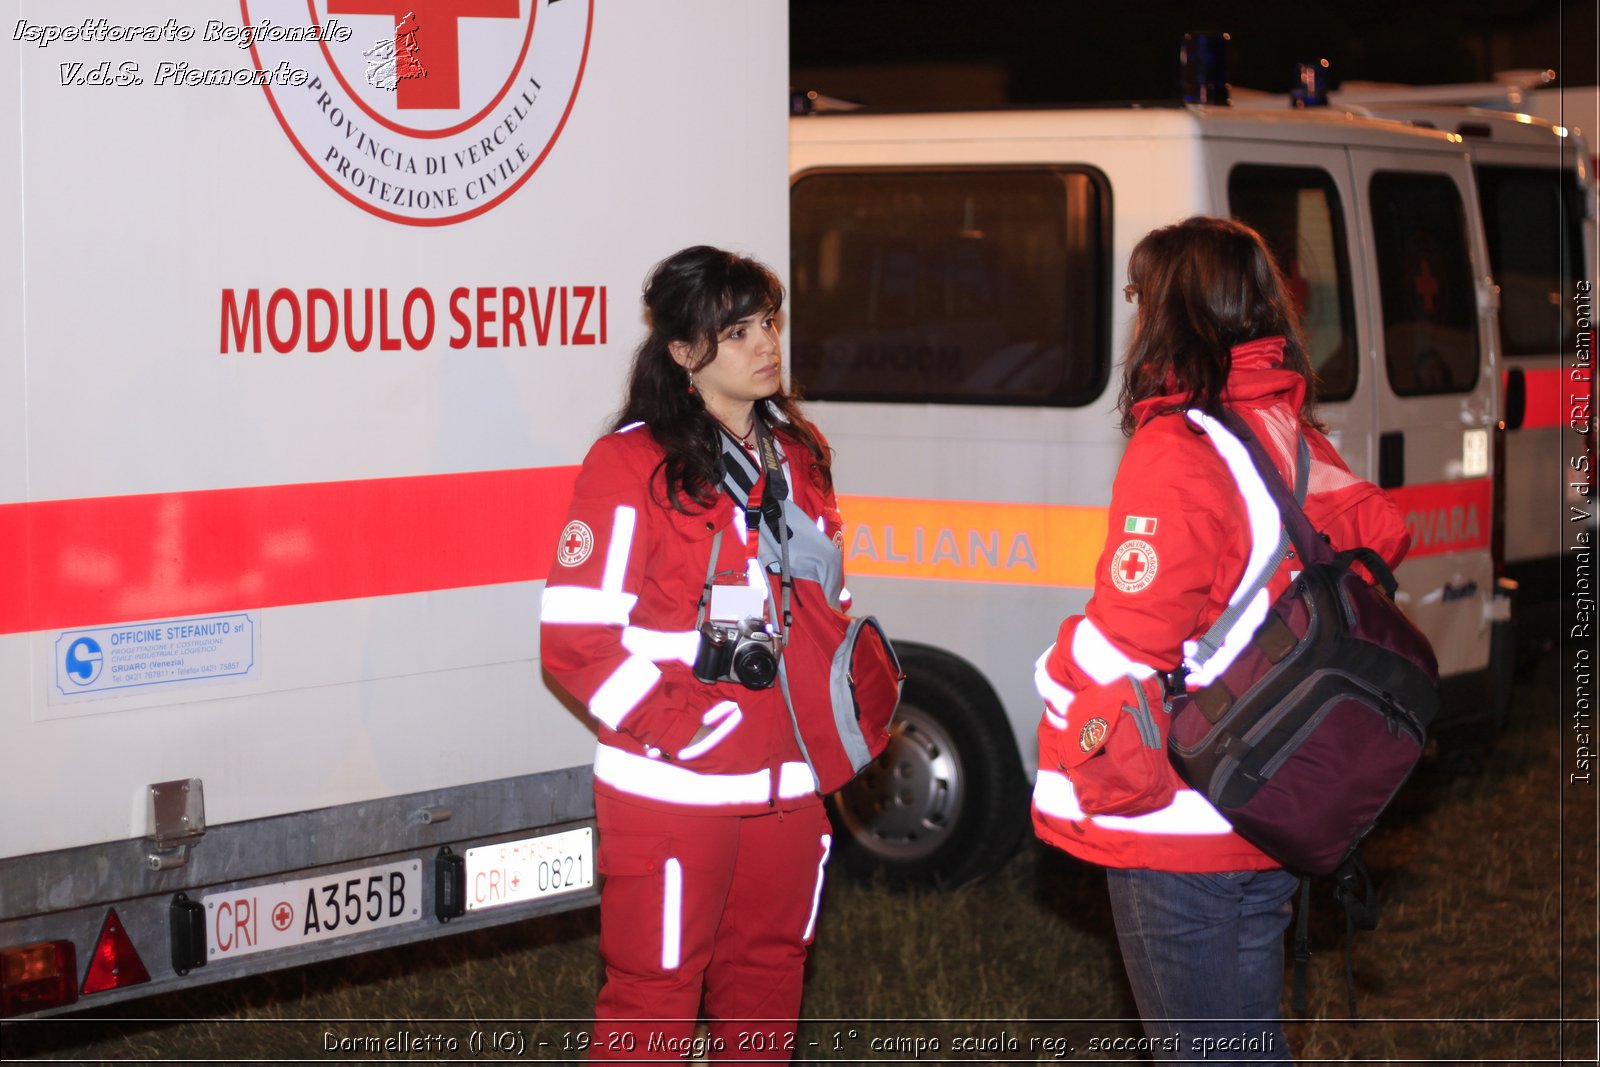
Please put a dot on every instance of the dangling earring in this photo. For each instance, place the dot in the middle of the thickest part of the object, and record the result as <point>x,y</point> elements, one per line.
<point>691,383</point>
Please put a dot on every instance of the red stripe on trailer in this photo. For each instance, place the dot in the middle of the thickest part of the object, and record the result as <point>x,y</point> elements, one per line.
<point>1547,396</point>
<point>114,559</point>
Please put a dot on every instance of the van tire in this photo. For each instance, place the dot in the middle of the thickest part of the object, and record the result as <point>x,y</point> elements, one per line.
<point>947,801</point>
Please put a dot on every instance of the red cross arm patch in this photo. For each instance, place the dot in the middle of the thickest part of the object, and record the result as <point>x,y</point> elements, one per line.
<point>1133,566</point>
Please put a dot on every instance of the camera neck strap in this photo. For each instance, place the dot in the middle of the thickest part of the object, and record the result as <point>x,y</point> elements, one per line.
<point>711,573</point>
<point>767,494</point>
<point>774,482</point>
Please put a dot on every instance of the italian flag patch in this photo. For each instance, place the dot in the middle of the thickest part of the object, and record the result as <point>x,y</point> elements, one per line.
<point>1138,524</point>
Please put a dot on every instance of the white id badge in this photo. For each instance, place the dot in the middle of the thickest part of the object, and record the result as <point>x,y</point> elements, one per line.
<point>735,603</point>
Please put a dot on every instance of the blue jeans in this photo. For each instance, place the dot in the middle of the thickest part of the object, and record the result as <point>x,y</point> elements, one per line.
<point>1204,954</point>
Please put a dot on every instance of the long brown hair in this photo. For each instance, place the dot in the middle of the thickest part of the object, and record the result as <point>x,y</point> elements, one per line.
<point>1205,285</point>
<point>692,296</point>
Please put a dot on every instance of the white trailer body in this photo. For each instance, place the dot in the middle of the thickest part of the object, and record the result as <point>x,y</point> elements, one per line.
<point>294,381</point>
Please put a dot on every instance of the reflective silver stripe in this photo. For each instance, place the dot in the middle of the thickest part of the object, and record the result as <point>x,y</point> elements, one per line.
<point>1057,697</point>
<point>660,645</point>
<point>1189,814</point>
<point>671,914</point>
<point>580,605</point>
<point>624,690</point>
<point>1265,524</point>
<point>622,524</point>
<point>660,780</point>
<point>795,780</point>
<point>816,894</point>
<point>1100,659</point>
<point>728,716</point>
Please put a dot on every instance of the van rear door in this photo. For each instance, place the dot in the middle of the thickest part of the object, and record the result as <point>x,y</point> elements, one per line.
<point>1424,270</point>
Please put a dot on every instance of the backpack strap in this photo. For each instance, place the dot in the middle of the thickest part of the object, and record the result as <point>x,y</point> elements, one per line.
<point>1302,948</point>
<point>1312,546</point>
<point>1212,639</point>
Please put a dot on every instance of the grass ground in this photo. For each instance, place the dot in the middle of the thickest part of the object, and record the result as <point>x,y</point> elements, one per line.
<point>1486,867</point>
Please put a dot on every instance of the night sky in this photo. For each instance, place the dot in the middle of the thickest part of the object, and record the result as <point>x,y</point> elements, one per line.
<point>1064,51</point>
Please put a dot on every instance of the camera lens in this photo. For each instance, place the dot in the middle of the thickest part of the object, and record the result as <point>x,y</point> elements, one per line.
<point>754,665</point>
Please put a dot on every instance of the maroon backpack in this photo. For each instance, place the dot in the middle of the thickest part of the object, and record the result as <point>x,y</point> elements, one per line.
<point>1306,736</point>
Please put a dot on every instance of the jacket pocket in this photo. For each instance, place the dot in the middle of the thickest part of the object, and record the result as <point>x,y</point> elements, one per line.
<point>723,718</point>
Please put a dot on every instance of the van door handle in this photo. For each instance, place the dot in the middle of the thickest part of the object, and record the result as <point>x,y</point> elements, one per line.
<point>1391,460</point>
<point>1516,398</point>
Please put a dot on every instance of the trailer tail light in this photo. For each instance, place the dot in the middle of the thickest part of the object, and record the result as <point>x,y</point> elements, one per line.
<point>37,976</point>
<point>115,962</point>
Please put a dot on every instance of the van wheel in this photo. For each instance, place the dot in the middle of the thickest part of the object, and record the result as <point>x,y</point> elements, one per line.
<point>947,801</point>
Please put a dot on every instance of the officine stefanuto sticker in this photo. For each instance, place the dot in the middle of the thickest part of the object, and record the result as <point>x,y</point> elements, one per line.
<point>430,111</point>
<point>137,657</point>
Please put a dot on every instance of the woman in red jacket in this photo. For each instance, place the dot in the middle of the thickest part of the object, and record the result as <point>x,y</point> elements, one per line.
<point>1200,912</point>
<point>662,616</point>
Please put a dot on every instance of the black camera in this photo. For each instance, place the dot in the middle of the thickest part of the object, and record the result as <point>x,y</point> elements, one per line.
<point>740,652</point>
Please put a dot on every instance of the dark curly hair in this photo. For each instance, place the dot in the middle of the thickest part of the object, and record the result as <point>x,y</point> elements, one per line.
<point>692,296</point>
<point>1205,285</point>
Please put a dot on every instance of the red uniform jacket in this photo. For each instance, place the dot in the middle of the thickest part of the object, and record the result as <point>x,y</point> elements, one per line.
<point>617,630</point>
<point>1182,534</point>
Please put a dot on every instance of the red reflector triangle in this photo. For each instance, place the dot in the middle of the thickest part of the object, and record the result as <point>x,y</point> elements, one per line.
<point>115,962</point>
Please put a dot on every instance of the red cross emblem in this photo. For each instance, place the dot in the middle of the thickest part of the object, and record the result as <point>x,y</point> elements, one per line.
<point>431,27</point>
<point>577,541</point>
<point>1133,566</point>
<point>282,916</point>
<point>1427,288</point>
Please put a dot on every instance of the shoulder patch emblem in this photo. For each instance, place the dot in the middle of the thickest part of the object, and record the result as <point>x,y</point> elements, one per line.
<point>577,541</point>
<point>1133,566</point>
<point>1138,524</point>
<point>1093,733</point>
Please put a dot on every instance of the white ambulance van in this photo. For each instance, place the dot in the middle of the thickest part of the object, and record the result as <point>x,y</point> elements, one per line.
<point>308,314</point>
<point>957,321</point>
<point>1535,198</point>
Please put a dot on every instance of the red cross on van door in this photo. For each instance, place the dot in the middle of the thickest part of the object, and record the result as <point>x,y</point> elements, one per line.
<point>433,27</point>
<point>1427,288</point>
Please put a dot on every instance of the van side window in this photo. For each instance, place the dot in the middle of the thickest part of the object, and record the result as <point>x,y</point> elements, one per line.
<point>1297,212</point>
<point>953,287</point>
<point>1430,323</point>
<point>1536,253</point>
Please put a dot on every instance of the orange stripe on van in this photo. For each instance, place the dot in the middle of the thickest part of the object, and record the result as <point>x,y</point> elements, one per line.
<point>972,541</point>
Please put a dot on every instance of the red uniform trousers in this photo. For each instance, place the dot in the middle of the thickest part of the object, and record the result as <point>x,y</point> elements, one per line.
<point>723,905</point>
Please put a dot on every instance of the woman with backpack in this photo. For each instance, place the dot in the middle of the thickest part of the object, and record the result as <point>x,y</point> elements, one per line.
<point>1200,912</point>
<point>665,615</point>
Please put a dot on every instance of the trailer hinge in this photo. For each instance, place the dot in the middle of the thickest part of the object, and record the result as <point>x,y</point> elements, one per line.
<point>177,822</point>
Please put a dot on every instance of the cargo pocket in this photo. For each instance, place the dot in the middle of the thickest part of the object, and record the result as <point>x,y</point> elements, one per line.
<point>641,902</point>
<point>624,852</point>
